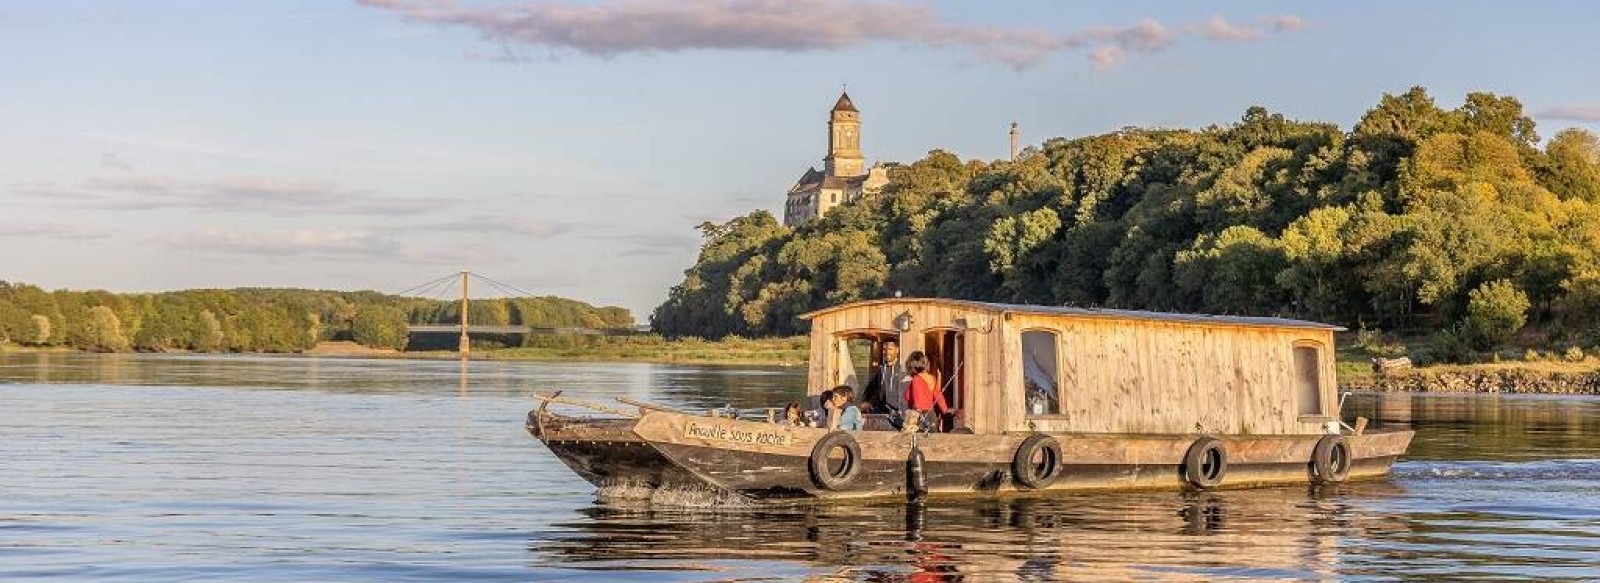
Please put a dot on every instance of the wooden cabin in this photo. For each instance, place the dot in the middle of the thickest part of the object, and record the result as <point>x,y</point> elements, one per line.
<point>1019,368</point>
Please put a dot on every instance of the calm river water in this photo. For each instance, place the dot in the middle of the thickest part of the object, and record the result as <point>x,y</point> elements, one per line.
<point>150,468</point>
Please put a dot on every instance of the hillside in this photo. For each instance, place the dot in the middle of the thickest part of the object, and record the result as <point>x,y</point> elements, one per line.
<point>1459,224</point>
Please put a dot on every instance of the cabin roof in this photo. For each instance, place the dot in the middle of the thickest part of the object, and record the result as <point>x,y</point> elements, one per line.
<point>1140,315</point>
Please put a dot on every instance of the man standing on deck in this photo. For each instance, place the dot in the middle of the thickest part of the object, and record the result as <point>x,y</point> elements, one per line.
<point>886,392</point>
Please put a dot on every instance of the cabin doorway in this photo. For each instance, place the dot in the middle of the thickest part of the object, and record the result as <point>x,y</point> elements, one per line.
<point>947,355</point>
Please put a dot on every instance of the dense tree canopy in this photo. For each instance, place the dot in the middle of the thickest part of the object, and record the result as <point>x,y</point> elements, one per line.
<point>1390,224</point>
<point>257,320</point>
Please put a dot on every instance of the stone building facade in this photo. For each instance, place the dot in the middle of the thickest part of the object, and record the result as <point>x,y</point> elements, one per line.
<point>844,176</point>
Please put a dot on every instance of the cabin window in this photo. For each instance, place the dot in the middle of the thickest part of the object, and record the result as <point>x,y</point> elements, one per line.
<point>856,358</point>
<point>1039,372</point>
<point>1308,379</point>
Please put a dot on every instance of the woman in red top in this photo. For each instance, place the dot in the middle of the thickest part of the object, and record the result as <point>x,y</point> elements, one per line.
<point>924,395</point>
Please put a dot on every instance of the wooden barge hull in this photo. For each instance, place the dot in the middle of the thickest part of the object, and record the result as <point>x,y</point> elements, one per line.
<point>762,461</point>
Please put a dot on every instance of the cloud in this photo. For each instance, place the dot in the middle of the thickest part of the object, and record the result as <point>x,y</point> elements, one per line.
<point>610,28</point>
<point>1146,36</point>
<point>1284,23</point>
<point>527,227</point>
<point>1106,58</point>
<point>114,161</point>
<point>654,244</point>
<point>296,243</point>
<point>232,194</point>
<point>1582,112</point>
<point>317,245</point>
<point>1220,30</point>
<point>60,231</point>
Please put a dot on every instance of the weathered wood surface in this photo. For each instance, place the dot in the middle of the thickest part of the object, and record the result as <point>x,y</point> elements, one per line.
<point>1115,375</point>
<point>766,460</point>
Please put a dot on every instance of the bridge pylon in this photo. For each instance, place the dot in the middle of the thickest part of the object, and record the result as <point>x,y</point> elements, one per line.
<point>465,346</point>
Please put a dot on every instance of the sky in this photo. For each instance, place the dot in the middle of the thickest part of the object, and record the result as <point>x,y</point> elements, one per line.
<point>571,147</point>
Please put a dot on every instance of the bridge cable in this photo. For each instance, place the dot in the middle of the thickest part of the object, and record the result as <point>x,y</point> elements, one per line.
<point>428,284</point>
<point>509,287</point>
<point>510,293</point>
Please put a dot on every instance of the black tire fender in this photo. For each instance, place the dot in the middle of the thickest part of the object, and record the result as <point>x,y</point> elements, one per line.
<point>1331,460</point>
<point>822,473</point>
<point>1029,475</point>
<point>1205,464</point>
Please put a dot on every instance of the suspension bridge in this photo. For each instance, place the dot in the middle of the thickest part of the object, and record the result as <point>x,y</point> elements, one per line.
<point>441,287</point>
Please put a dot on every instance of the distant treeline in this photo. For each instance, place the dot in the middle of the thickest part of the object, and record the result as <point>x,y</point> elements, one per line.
<point>259,320</point>
<point>1456,222</point>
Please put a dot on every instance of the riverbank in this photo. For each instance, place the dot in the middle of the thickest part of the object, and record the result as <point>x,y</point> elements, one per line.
<point>792,351</point>
<point>1582,378</point>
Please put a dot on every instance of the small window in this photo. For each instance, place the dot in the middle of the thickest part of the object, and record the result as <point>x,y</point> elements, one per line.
<point>1039,372</point>
<point>1308,379</point>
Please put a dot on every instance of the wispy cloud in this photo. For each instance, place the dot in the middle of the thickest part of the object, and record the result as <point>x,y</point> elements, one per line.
<point>653,244</point>
<point>1581,112</point>
<point>481,224</point>
<point>231,194</point>
<point>296,243</point>
<point>616,27</point>
<point>29,230</point>
<point>114,161</point>
<point>1218,29</point>
<point>1106,58</point>
<point>315,245</point>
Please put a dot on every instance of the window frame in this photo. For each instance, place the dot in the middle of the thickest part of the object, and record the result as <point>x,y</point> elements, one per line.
<point>1321,351</point>
<point>836,369</point>
<point>1061,403</point>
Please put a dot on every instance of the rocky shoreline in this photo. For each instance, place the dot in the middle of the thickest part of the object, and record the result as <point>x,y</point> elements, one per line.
<point>1506,381</point>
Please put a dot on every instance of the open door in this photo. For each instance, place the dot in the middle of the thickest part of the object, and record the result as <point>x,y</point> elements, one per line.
<point>946,352</point>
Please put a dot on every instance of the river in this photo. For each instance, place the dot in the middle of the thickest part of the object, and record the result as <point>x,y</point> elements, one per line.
<point>166,468</point>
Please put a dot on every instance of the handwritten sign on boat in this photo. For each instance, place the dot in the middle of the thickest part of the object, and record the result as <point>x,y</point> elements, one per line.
<point>732,433</point>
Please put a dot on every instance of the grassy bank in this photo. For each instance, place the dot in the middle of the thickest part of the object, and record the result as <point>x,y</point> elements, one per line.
<point>733,350</point>
<point>1356,351</point>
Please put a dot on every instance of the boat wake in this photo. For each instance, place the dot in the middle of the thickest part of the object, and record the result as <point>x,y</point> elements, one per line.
<point>1560,469</point>
<point>636,494</point>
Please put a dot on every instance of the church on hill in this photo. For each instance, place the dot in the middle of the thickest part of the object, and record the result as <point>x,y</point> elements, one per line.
<point>844,175</point>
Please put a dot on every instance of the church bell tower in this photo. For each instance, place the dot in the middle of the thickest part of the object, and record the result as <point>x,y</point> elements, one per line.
<point>844,140</point>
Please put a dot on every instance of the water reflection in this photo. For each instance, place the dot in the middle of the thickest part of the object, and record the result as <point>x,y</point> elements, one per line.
<point>1278,533</point>
<point>135,467</point>
<point>1487,427</point>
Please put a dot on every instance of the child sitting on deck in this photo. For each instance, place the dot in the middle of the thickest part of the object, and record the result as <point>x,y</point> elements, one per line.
<point>844,415</point>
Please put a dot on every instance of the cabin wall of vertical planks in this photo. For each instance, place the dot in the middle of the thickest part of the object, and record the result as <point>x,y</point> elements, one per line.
<point>1115,374</point>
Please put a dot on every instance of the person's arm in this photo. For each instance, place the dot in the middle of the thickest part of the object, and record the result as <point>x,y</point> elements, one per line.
<point>938,400</point>
<point>851,419</point>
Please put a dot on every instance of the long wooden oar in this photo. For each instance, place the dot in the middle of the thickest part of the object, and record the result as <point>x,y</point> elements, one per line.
<point>584,404</point>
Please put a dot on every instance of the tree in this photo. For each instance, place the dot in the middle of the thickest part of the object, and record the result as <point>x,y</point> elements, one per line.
<point>1572,165</point>
<point>1233,272</point>
<point>41,329</point>
<point>102,331</point>
<point>207,335</point>
<point>1501,116</point>
<point>380,327</point>
<point>1013,238</point>
<point>1496,311</point>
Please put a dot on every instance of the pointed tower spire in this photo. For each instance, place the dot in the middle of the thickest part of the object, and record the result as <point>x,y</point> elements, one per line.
<point>844,103</point>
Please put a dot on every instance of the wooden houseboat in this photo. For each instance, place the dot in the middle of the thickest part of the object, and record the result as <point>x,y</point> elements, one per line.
<point>1042,399</point>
